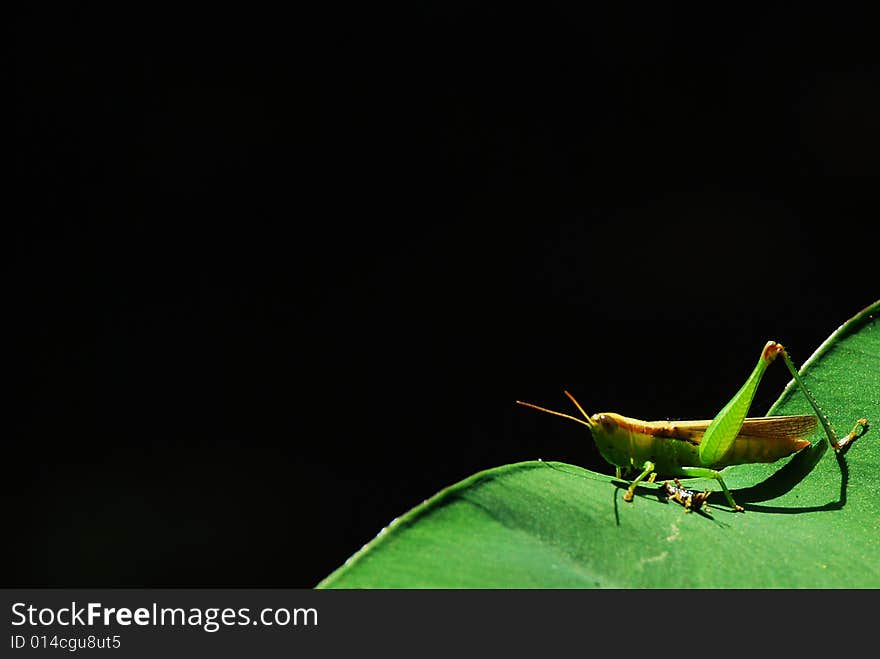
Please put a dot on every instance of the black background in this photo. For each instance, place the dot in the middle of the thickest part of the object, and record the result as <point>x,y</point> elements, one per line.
<point>276,277</point>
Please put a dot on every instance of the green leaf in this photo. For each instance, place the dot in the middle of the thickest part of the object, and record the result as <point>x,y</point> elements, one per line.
<point>811,521</point>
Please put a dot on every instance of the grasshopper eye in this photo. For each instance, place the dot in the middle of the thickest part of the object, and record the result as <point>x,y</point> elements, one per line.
<point>605,421</point>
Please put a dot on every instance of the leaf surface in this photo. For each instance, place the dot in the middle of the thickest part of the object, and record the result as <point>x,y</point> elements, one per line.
<point>811,521</point>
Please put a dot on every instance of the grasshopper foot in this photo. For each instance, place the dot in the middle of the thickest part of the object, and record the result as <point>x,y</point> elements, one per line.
<point>859,429</point>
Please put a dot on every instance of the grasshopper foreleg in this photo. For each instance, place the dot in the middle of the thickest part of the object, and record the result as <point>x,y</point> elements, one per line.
<point>647,470</point>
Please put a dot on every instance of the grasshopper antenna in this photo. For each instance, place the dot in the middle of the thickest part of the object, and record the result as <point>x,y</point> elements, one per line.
<point>578,405</point>
<point>588,422</point>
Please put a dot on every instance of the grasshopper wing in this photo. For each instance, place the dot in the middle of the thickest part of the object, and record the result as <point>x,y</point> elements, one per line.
<point>797,426</point>
<point>760,439</point>
<point>769,438</point>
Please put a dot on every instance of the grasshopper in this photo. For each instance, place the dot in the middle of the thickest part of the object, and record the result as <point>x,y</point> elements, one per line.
<point>688,498</point>
<point>702,448</point>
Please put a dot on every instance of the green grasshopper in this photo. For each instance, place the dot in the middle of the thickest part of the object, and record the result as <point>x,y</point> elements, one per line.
<point>701,448</point>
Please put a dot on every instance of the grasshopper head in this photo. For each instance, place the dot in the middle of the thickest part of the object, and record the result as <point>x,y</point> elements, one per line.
<point>610,432</point>
<point>612,437</point>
